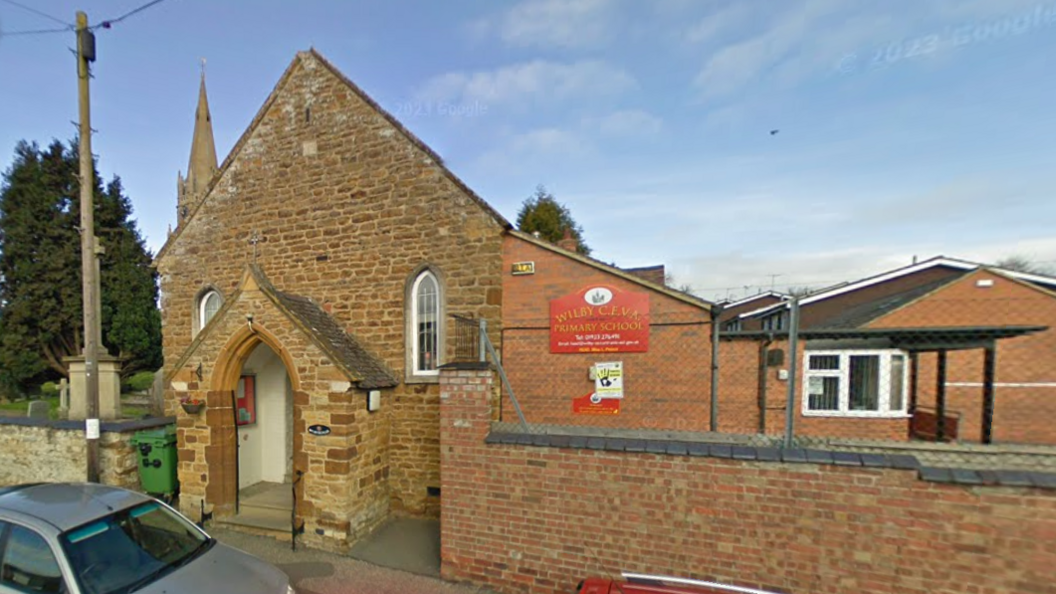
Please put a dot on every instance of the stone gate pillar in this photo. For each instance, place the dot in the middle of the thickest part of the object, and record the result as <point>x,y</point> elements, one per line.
<point>109,387</point>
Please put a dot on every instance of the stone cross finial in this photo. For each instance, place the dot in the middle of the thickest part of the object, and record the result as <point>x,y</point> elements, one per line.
<point>254,239</point>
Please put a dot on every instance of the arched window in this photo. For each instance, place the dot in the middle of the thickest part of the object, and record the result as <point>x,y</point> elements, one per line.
<point>425,324</point>
<point>208,305</point>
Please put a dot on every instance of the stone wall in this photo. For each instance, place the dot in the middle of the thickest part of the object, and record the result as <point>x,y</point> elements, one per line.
<point>523,518</point>
<point>347,207</point>
<point>35,450</point>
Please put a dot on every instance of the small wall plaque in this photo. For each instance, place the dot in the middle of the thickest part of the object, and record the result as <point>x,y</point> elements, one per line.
<point>520,268</point>
<point>319,430</point>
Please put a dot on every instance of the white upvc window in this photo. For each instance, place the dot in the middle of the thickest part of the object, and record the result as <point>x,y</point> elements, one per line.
<point>855,383</point>
<point>425,324</point>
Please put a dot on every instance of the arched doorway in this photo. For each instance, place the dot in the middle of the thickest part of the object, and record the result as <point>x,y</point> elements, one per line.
<point>257,375</point>
<point>264,420</point>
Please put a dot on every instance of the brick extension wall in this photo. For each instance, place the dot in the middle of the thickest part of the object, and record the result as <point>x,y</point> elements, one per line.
<point>524,519</point>
<point>1025,396</point>
<point>739,388</point>
<point>667,387</point>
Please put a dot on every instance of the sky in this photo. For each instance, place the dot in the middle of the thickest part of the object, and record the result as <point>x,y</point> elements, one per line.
<point>746,145</point>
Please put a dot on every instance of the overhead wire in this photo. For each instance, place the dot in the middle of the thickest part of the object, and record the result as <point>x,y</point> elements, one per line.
<point>33,32</point>
<point>104,24</point>
<point>37,12</point>
<point>107,23</point>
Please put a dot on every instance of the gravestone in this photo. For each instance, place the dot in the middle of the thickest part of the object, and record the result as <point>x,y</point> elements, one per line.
<point>64,396</point>
<point>38,409</point>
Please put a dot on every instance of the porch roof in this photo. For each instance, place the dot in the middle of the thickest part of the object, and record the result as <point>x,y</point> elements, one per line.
<point>341,347</point>
<point>919,339</point>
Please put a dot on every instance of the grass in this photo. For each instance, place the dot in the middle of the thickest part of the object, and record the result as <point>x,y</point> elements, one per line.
<point>22,407</point>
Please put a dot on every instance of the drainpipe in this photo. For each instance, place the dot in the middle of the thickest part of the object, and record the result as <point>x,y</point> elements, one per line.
<point>764,365</point>
<point>716,311</point>
<point>793,367</point>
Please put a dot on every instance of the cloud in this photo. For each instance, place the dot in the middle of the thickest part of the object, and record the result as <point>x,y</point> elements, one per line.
<point>734,66</point>
<point>551,141</point>
<point>786,43</point>
<point>736,274</point>
<point>539,149</point>
<point>530,82</point>
<point>720,23</point>
<point>629,122</point>
<point>557,23</point>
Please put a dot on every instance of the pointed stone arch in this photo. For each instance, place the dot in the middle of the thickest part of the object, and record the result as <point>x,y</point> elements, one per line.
<point>237,350</point>
<point>222,488</point>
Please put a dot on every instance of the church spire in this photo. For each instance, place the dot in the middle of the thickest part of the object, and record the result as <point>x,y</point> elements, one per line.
<point>202,163</point>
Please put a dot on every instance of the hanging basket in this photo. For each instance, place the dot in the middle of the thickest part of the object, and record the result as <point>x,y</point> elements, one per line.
<point>192,409</point>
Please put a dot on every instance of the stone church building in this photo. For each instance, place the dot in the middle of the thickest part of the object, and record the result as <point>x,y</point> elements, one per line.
<point>307,294</point>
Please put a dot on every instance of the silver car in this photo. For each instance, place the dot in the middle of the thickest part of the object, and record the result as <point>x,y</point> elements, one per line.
<point>94,539</point>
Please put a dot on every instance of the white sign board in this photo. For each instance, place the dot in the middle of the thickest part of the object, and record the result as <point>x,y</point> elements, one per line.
<point>91,428</point>
<point>816,386</point>
<point>608,382</point>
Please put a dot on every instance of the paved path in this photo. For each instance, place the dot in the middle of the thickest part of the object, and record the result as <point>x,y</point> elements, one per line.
<point>317,572</point>
<point>407,544</point>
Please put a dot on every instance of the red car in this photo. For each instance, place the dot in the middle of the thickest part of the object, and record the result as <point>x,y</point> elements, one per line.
<point>636,583</point>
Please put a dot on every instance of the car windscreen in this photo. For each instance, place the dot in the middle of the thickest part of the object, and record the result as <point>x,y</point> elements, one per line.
<point>131,548</point>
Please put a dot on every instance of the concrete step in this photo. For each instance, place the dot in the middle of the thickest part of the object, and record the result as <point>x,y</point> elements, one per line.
<point>268,496</point>
<point>261,518</point>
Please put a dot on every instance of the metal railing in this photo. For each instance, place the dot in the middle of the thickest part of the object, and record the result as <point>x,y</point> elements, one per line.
<point>294,528</point>
<point>472,344</point>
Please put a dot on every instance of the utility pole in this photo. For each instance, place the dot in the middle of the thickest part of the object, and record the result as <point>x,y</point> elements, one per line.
<point>89,270</point>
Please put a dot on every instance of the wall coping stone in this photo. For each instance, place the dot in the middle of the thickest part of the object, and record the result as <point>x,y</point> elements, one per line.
<point>104,426</point>
<point>957,476</point>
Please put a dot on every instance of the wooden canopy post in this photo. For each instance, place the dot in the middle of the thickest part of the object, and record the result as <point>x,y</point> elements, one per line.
<point>940,397</point>
<point>989,371</point>
<point>914,374</point>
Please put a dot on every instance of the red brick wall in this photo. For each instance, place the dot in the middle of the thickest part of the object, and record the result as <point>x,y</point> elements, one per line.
<point>1023,413</point>
<point>667,387</point>
<point>523,519</point>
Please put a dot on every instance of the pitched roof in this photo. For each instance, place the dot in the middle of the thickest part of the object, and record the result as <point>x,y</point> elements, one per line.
<point>613,270</point>
<point>859,315</point>
<point>656,274</point>
<point>746,300</point>
<point>313,54</point>
<point>342,348</point>
<point>938,261</point>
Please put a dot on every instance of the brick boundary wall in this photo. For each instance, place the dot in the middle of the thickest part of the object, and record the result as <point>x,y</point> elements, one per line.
<point>39,450</point>
<point>519,517</point>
